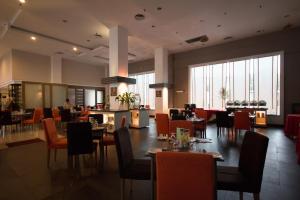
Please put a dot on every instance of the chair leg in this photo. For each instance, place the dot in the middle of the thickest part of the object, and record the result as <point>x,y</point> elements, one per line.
<point>55,150</point>
<point>48,157</point>
<point>131,186</point>
<point>256,196</point>
<point>241,195</point>
<point>122,188</point>
<point>96,156</point>
<point>106,155</point>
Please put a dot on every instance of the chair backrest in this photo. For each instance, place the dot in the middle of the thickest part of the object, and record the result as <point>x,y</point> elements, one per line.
<point>6,117</point>
<point>50,131</point>
<point>37,115</point>
<point>65,115</point>
<point>124,149</point>
<point>249,110</point>
<point>182,175</point>
<point>174,124</point>
<point>55,112</point>
<point>80,139</point>
<point>223,120</point>
<point>162,123</point>
<point>242,120</point>
<point>123,122</point>
<point>201,113</point>
<point>173,113</point>
<point>252,158</point>
<point>48,113</point>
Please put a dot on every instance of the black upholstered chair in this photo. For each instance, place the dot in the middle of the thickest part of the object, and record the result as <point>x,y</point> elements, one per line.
<point>47,113</point>
<point>129,167</point>
<point>97,117</point>
<point>8,120</point>
<point>223,121</point>
<point>247,177</point>
<point>65,115</point>
<point>173,113</point>
<point>80,140</point>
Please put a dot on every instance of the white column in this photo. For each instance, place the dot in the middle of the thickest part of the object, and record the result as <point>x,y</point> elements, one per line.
<point>118,60</point>
<point>161,76</point>
<point>56,69</point>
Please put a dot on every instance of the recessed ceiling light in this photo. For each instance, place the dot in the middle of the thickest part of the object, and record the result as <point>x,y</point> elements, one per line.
<point>225,13</point>
<point>75,49</point>
<point>260,6</point>
<point>139,17</point>
<point>159,8</point>
<point>286,16</point>
<point>88,40</point>
<point>176,32</point>
<point>22,1</point>
<point>260,31</point>
<point>98,35</point>
<point>219,25</point>
<point>33,38</point>
<point>228,38</point>
<point>64,21</point>
<point>153,26</point>
<point>201,20</point>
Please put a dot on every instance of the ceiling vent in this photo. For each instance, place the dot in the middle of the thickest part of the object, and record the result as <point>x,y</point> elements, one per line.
<point>202,38</point>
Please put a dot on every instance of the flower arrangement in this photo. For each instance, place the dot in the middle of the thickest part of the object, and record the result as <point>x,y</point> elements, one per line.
<point>127,98</point>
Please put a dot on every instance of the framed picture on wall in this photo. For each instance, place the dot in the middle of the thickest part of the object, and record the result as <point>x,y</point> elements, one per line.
<point>158,93</point>
<point>113,91</point>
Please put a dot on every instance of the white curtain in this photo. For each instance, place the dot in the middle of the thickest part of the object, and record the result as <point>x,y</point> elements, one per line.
<point>142,88</point>
<point>255,78</point>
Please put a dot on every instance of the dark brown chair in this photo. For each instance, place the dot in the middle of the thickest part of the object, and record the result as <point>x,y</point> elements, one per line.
<point>129,167</point>
<point>223,121</point>
<point>247,177</point>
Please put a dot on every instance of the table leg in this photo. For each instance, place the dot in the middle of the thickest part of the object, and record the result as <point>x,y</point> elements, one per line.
<point>101,148</point>
<point>152,178</point>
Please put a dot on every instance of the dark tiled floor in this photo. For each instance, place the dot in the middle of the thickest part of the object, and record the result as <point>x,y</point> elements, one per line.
<point>24,175</point>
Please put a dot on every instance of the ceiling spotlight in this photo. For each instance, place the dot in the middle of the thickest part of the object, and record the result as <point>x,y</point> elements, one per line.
<point>159,8</point>
<point>75,49</point>
<point>22,1</point>
<point>33,38</point>
<point>139,17</point>
<point>219,25</point>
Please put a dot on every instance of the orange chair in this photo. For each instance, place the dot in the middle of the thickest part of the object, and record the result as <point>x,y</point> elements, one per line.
<point>36,118</point>
<point>53,142</point>
<point>182,175</point>
<point>162,123</point>
<point>242,121</point>
<point>84,116</point>
<point>201,113</point>
<point>174,124</point>
<point>56,115</point>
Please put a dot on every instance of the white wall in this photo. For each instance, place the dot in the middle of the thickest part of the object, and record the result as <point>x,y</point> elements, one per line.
<point>30,67</point>
<point>5,68</point>
<point>76,73</point>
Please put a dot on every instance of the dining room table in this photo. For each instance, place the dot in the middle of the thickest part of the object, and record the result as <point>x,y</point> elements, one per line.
<point>168,144</point>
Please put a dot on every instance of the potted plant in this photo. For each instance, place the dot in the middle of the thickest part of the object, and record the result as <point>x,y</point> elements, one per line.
<point>127,98</point>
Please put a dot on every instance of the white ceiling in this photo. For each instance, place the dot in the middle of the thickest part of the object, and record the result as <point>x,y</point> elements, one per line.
<point>176,22</point>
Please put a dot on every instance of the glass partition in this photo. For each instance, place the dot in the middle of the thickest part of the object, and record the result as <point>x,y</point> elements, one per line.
<point>59,95</point>
<point>33,95</point>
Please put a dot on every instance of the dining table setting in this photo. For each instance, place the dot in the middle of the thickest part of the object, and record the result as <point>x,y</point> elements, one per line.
<point>181,141</point>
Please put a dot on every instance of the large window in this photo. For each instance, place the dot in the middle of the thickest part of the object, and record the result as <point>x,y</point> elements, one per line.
<point>142,88</point>
<point>255,78</point>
